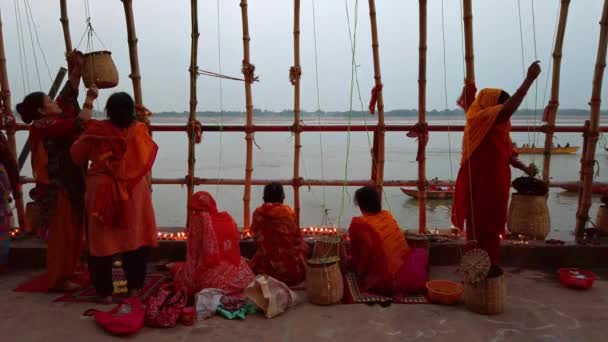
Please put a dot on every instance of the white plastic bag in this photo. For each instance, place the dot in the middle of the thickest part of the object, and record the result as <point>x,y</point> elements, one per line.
<point>271,295</point>
<point>206,303</point>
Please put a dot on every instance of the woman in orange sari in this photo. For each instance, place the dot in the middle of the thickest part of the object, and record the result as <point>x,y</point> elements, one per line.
<point>482,187</point>
<point>379,254</point>
<point>213,253</point>
<point>120,216</point>
<point>281,250</point>
<point>60,184</point>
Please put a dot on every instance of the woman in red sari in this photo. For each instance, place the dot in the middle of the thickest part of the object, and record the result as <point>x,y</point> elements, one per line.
<point>379,254</point>
<point>120,216</point>
<point>281,250</point>
<point>60,184</point>
<point>213,253</point>
<point>481,197</point>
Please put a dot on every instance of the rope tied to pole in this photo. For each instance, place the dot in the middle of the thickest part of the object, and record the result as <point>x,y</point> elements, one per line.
<point>248,71</point>
<point>550,108</point>
<point>420,131</point>
<point>374,98</point>
<point>195,130</point>
<point>295,72</point>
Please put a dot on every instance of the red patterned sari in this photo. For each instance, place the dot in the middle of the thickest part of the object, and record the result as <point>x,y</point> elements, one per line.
<point>281,250</point>
<point>213,254</point>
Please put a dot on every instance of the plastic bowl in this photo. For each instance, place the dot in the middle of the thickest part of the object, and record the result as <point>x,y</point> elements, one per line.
<point>576,278</point>
<point>444,292</point>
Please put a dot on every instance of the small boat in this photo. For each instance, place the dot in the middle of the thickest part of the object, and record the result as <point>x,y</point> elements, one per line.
<point>596,188</point>
<point>541,150</point>
<point>445,193</point>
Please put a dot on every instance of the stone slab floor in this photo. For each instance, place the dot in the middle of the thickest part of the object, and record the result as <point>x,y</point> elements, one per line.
<point>538,309</point>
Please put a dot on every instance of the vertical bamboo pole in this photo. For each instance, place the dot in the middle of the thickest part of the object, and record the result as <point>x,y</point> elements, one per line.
<point>65,24</point>
<point>193,101</point>
<point>593,132</point>
<point>469,57</point>
<point>295,79</point>
<point>10,131</point>
<point>554,100</point>
<point>378,157</point>
<point>249,121</point>
<point>422,118</point>
<point>135,75</point>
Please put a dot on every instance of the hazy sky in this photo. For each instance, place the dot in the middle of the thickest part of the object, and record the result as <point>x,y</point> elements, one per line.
<point>163,29</point>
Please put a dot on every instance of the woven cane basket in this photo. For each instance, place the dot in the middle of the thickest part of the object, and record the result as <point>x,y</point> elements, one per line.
<point>324,282</point>
<point>486,297</point>
<point>602,220</point>
<point>529,216</point>
<point>99,69</point>
<point>326,247</point>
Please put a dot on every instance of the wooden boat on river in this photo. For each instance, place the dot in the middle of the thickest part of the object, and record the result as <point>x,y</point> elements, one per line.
<point>444,193</point>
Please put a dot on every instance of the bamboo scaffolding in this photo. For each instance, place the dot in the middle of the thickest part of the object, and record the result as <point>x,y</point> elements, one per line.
<point>593,134</point>
<point>295,79</point>
<point>554,100</point>
<point>135,75</point>
<point>422,136</point>
<point>378,148</point>
<point>469,57</point>
<point>193,101</point>
<point>65,24</point>
<point>248,73</point>
<point>8,116</point>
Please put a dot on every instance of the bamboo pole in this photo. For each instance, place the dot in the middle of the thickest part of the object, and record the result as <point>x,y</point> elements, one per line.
<point>593,134</point>
<point>295,79</point>
<point>248,73</point>
<point>193,101</point>
<point>135,75</point>
<point>10,130</point>
<point>65,24</point>
<point>469,57</point>
<point>378,148</point>
<point>422,136</point>
<point>554,100</point>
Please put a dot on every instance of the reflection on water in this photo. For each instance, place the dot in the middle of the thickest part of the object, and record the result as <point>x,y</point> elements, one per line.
<point>274,159</point>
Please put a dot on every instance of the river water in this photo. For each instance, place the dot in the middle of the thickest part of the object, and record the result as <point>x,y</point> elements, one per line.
<point>325,157</point>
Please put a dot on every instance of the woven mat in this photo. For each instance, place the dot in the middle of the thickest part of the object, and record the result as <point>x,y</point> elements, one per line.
<point>88,295</point>
<point>353,295</point>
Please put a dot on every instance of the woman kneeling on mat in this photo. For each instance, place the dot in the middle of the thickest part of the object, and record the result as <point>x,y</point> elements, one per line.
<point>379,254</point>
<point>120,216</point>
<point>281,250</point>
<point>213,258</point>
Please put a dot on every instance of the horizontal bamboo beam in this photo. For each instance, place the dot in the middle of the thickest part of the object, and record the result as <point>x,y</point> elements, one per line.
<point>344,128</point>
<point>303,182</point>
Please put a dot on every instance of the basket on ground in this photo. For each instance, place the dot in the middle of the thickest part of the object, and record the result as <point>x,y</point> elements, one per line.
<point>529,216</point>
<point>324,282</point>
<point>444,292</point>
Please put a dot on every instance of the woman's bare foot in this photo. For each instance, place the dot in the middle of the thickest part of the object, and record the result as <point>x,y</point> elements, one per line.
<point>68,286</point>
<point>134,292</point>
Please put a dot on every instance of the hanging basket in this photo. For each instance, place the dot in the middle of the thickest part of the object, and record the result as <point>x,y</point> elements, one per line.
<point>324,282</point>
<point>99,69</point>
<point>529,216</point>
<point>486,297</point>
<point>326,247</point>
<point>602,220</point>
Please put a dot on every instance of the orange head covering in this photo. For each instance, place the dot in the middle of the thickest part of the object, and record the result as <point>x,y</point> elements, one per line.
<point>481,116</point>
<point>203,201</point>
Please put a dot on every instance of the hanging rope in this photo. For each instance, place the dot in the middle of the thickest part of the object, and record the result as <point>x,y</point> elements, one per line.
<point>29,26</point>
<point>23,55</point>
<point>324,209</point>
<point>48,70</point>
<point>445,89</point>
<point>221,97</point>
<point>225,77</point>
<point>535,83</point>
